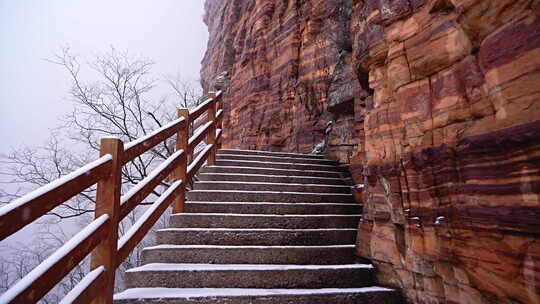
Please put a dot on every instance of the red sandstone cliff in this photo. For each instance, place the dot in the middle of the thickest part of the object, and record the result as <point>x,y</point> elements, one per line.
<point>436,106</point>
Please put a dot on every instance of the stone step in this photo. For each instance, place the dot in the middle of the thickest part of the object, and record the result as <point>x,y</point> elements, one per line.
<point>270,171</point>
<point>249,276</point>
<point>275,187</point>
<point>275,165</point>
<point>267,196</point>
<point>362,295</point>
<point>268,153</point>
<point>234,177</point>
<point>256,237</point>
<point>271,208</point>
<point>260,227</point>
<point>300,221</point>
<point>216,254</point>
<point>277,159</point>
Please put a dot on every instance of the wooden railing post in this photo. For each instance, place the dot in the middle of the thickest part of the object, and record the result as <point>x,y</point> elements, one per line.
<point>219,125</point>
<point>211,137</point>
<point>108,202</point>
<point>184,112</point>
<point>180,173</point>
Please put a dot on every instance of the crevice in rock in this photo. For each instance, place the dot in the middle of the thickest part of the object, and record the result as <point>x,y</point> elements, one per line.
<point>443,7</point>
<point>399,235</point>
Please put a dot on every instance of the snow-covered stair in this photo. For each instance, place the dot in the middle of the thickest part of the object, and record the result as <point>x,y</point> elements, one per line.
<point>260,227</point>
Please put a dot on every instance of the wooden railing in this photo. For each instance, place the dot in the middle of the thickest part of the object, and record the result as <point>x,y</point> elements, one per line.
<point>100,238</point>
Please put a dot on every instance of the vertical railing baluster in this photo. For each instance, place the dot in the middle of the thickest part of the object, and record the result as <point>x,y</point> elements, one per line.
<point>108,202</point>
<point>219,125</point>
<point>180,173</point>
<point>211,137</point>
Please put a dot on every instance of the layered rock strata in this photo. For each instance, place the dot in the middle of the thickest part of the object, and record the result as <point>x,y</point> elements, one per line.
<point>435,106</point>
<point>290,80</point>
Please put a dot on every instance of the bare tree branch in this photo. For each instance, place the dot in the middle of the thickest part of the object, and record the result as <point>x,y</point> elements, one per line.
<point>118,101</point>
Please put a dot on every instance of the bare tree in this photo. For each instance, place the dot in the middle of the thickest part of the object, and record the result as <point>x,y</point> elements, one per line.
<point>24,257</point>
<point>112,95</point>
<point>120,103</point>
<point>38,166</point>
<point>186,93</point>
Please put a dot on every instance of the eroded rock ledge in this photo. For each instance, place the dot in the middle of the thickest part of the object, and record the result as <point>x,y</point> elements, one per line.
<point>434,104</point>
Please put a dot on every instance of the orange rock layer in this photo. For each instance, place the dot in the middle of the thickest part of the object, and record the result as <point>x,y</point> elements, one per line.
<point>434,104</point>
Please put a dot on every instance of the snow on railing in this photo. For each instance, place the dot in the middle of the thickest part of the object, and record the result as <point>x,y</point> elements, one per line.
<point>56,266</point>
<point>101,236</point>
<point>23,211</point>
<point>137,232</point>
<point>91,283</point>
<point>137,193</point>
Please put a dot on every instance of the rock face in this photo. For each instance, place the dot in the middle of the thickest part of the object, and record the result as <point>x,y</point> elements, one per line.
<point>290,74</point>
<point>434,104</point>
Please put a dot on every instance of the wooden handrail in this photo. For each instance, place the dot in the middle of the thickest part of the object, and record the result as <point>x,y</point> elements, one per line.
<point>88,288</point>
<point>137,232</point>
<point>211,135</point>
<point>25,210</point>
<point>218,136</point>
<point>199,135</point>
<point>200,109</point>
<point>219,119</point>
<point>197,163</point>
<point>136,194</point>
<point>143,144</point>
<point>101,236</point>
<point>51,271</point>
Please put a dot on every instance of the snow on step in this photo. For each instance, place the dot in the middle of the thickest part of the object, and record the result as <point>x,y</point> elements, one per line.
<point>272,208</point>
<point>275,203</point>
<point>256,236</point>
<point>255,229</point>
<point>289,221</point>
<point>269,178</point>
<point>269,192</point>
<point>147,293</point>
<point>270,171</point>
<point>250,276</point>
<point>332,167</point>
<point>268,196</point>
<point>269,215</point>
<point>269,158</point>
<point>252,254</point>
<point>278,165</point>
<point>274,184</point>
<point>260,152</point>
<point>235,267</point>
<point>265,186</point>
<point>245,247</point>
<point>266,175</point>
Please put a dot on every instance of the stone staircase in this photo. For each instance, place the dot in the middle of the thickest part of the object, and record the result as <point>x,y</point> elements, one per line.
<point>260,227</point>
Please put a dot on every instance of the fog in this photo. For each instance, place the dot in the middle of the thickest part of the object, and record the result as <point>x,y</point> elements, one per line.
<point>33,91</point>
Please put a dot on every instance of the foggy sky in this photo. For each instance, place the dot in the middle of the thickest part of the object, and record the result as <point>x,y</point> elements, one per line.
<point>33,91</point>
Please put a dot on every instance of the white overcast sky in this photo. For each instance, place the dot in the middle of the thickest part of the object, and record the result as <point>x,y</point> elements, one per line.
<point>33,91</point>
